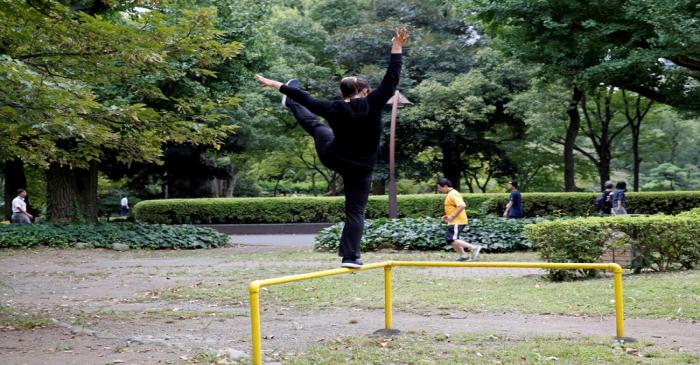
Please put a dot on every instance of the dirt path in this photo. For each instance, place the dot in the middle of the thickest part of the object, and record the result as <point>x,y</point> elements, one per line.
<point>92,296</point>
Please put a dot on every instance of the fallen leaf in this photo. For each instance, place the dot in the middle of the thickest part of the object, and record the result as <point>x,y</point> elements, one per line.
<point>383,342</point>
<point>633,352</point>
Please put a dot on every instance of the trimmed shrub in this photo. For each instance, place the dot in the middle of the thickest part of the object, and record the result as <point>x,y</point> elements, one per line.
<point>661,242</point>
<point>330,209</point>
<point>494,234</point>
<point>135,235</point>
<point>694,213</point>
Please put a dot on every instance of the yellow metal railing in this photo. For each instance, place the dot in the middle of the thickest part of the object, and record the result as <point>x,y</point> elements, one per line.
<point>254,287</point>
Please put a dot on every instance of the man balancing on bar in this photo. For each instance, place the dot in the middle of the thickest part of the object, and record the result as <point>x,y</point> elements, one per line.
<point>349,146</point>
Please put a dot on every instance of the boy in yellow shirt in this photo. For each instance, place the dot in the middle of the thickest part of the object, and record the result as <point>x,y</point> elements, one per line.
<point>456,219</point>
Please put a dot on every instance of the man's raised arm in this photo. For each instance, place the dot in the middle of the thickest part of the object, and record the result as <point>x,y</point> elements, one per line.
<point>386,88</point>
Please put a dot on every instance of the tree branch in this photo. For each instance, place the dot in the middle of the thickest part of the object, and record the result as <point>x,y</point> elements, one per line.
<point>590,157</point>
<point>63,54</point>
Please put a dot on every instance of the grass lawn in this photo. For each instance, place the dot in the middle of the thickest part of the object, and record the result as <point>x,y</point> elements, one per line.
<point>421,348</point>
<point>659,295</point>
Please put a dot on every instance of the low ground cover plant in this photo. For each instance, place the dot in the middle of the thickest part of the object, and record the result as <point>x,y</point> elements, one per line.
<point>492,233</point>
<point>106,235</point>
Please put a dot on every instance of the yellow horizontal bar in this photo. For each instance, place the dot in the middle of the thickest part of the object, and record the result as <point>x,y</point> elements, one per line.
<point>511,265</point>
<point>255,286</point>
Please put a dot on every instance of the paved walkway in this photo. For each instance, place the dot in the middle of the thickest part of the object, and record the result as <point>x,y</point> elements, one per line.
<point>307,240</point>
<point>279,240</point>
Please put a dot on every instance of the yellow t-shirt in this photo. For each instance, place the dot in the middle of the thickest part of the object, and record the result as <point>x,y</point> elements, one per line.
<point>452,200</point>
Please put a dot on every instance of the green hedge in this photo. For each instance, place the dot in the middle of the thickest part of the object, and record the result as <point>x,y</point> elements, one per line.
<point>136,235</point>
<point>695,213</point>
<point>330,209</point>
<point>662,242</point>
<point>493,234</point>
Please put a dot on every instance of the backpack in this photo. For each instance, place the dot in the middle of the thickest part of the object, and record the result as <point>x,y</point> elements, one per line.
<point>601,203</point>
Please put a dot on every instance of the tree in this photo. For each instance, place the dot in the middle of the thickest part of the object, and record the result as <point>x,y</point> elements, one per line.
<point>71,94</point>
<point>601,129</point>
<point>649,47</point>
<point>635,112</point>
<point>668,176</point>
<point>467,120</point>
<point>646,47</point>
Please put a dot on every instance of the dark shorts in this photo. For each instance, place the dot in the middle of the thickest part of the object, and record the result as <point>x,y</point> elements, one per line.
<point>453,231</point>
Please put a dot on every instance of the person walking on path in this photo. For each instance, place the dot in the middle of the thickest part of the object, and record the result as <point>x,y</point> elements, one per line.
<point>514,208</point>
<point>456,219</point>
<point>604,202</point>
<point>618,199</point>
<point>19,208</point>
<point>350,143</point>
<point>124,206</point>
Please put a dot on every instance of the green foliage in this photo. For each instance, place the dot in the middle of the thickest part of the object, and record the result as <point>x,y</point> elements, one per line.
<point>103,235</point>
<point>77,89</point>
<point>662,242</point>
<point>668,176</point>
<point>493,234</point>
<point>330,209</point>
<point>693,213</point>
<point>629,44</point>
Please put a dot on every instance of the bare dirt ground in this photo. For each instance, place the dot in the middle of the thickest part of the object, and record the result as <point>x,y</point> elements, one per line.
<point>104,307</point>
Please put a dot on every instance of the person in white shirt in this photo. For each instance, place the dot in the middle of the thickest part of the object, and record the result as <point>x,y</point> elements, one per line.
<point>124,207</point>
<point>19,209</point>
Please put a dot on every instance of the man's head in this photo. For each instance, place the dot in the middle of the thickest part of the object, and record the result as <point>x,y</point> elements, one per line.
<point>22,192</point>
<point>621,185</point>
<point>609,184</point>
<point>353,86</point>
<point>444,185</point>
<point>513,185</point>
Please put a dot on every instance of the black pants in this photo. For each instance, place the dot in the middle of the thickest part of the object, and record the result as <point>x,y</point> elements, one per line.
<point>356,181</point>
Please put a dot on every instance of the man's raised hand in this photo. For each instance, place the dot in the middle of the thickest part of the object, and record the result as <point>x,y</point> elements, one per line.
<point>268,83</point>
<point>400,36</point>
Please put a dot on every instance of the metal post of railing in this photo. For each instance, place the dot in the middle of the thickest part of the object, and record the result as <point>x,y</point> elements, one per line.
<point>387,297</point>
<point>256,356</point>
<point>619,311</point>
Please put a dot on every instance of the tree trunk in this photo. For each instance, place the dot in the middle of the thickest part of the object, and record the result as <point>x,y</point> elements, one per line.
<point>379,187</point>
<point>71,194</point>
<point>451,166</point>
<point>570,141</point>
<point>232,185</point>
<point>636,160</point>
<point>14,179</point>
<point>604,171</point>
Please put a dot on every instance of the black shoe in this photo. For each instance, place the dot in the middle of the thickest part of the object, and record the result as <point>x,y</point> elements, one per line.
<point>352,264</point>
<point>291,83</point>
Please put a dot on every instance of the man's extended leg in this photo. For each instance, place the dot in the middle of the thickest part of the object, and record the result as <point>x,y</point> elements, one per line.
<point>322,134</point>
<point>356,187</point>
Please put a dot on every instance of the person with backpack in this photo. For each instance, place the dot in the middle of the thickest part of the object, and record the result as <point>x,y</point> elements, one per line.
<point>603,203</point>
<point>618,199</point>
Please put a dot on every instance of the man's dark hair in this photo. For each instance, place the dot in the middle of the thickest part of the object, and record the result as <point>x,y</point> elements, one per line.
<point>514,183</point>
<point>20,191</point>
<point>351,86</point>
<point>621,185</point>
<point>444,182</point>
<point>609,184</point>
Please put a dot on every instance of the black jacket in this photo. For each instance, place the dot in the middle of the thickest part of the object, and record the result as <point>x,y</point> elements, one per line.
<point>356,124</point>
